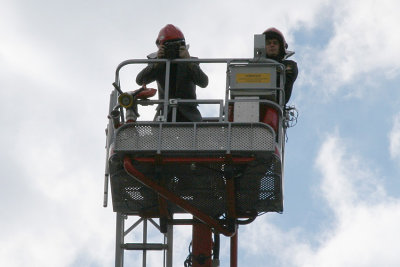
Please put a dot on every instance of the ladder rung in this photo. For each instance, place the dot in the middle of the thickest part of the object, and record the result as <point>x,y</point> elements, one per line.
<point>148,246</point>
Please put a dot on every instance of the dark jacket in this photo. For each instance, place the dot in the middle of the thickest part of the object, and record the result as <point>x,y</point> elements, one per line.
<point>183,80</point>
<point>291,75</point>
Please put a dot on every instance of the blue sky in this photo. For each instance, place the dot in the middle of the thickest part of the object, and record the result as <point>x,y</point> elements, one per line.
<point>342,188</point>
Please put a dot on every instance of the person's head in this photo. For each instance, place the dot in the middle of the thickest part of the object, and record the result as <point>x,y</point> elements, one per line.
<point>169,42</point>
<point>169,33</point>
<point>275,44</point>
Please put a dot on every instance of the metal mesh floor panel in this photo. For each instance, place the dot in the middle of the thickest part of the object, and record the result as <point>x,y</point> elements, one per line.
<point>258,187</point>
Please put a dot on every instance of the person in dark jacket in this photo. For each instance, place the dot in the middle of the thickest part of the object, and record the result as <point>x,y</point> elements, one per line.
<point>183,76</point>
<point>276,46</point>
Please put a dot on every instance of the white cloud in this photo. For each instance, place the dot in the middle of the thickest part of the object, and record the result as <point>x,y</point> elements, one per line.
<point>394,138</point>
<point>364,229</point>
<point>364,43</point>
<point>55,194</point>
<point>54,112</point>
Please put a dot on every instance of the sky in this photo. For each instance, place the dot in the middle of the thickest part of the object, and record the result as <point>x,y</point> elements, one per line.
<point>342,161</point>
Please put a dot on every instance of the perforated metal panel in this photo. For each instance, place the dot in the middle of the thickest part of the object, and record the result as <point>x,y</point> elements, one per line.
<point>218,141</point>
<point>177,137</point>
<point>195,137</point>
<point>138,137</point>
<point>263,189</point>
<point>129,195</point>
<point>203,185</point>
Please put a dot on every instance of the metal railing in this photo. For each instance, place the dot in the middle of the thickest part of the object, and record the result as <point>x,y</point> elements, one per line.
<point>223,109</point>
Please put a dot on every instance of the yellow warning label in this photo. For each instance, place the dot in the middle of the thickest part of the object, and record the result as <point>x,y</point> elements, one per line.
<point>253,77</point>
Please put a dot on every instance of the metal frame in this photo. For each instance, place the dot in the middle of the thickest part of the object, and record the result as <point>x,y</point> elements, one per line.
<point>121,246</point>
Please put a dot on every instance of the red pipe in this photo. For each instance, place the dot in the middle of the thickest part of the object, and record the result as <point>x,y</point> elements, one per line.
<point>202,245</point>
<point>234,249</point>
<point>131,170</point>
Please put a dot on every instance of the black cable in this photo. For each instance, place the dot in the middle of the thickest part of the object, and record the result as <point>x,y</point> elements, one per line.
<point>188,261</point>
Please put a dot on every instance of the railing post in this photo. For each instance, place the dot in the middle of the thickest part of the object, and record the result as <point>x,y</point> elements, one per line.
<point>119,251</point>
<point>234,249</point>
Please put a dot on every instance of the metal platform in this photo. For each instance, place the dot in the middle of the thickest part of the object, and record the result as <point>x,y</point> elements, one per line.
<point>190,161</point>
<point>224,171</point>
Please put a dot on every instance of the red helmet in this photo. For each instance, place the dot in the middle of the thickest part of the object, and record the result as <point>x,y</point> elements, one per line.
<point>169,32</point>
<point>271,33</point>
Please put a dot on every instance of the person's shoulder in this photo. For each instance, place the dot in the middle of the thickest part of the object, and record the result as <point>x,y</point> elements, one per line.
<point>289,61</point>
<point>290,64</point>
